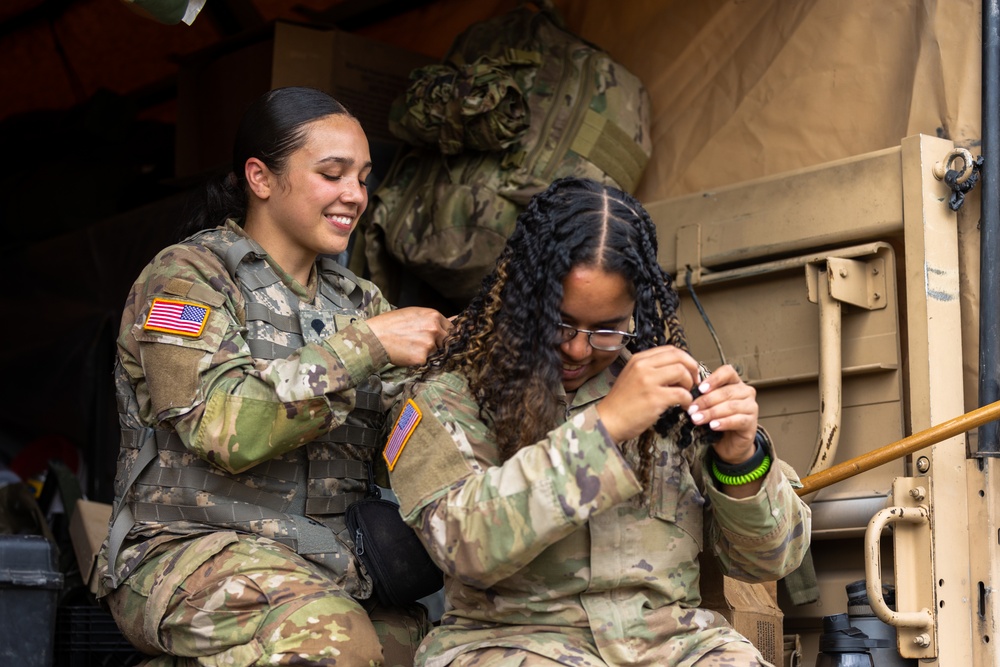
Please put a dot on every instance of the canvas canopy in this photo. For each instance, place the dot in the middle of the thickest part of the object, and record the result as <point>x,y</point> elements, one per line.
<point>740,90</point>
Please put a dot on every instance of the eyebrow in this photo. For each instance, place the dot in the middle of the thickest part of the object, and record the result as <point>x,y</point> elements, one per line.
<point>604,324</point>
<point>345,161</point>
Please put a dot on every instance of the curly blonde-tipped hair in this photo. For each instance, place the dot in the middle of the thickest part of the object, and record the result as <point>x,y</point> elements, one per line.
<point>504,342</point>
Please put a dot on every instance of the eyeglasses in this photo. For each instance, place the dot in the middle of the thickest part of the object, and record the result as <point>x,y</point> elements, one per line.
<point>606,340</point>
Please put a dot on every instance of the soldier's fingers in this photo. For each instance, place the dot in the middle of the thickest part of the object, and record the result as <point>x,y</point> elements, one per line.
<point>702,412</point>
<point>724,394</point>
<point>667,364</point>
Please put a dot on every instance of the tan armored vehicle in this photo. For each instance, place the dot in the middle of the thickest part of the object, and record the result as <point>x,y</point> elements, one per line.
<point>835,291</point>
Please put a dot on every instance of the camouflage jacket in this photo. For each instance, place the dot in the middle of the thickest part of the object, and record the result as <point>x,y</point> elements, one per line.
<point>556,546</point>
<point>235,428</point>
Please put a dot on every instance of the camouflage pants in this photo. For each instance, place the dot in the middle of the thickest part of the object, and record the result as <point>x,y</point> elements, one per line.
<point>243,600</point>
<point>731,655</point>
<point>575,654</point>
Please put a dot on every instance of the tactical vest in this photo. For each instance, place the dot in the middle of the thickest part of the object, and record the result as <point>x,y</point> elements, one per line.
<point>298,498</point>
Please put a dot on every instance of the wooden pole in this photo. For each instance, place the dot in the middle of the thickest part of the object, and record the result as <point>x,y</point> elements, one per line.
<point>907,445</point>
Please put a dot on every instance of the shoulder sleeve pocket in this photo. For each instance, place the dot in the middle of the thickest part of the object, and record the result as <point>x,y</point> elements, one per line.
<point>170,327</point>
<point>173,376</point>
<point>172,364</point>
<point>429,463</point>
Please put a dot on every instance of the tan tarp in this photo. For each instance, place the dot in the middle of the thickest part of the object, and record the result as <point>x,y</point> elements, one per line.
<point>743,89</point>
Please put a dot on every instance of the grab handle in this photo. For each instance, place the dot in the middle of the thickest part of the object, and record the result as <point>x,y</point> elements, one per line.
<point>873,567</point>
<point>915,630</point>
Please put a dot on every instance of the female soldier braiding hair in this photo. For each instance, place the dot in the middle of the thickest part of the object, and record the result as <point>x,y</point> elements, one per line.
<point>556,464</point>
<point>251,408</point>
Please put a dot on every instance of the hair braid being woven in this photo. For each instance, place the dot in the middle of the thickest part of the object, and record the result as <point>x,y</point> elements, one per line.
<point>504,342</point>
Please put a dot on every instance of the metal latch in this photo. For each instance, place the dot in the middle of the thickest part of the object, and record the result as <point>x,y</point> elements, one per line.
<point>860,283</point>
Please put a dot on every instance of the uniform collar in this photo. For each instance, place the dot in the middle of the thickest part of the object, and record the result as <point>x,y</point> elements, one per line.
<point>305,292</point>
<point>598,386</point>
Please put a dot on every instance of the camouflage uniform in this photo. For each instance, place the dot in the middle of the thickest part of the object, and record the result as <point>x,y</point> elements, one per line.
<point>554,558</point>
<point>242,444</point>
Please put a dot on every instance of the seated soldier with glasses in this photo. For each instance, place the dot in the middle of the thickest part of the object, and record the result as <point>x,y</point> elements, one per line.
<point>562,452</point>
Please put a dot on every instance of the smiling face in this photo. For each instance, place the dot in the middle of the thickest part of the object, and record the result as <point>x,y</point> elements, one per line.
<point>313,206</point>
<point>592,299</point>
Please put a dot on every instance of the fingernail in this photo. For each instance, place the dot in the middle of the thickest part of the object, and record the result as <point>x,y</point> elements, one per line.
<point>697,417</point>
<point>692,409</point>
<point>714,424</point>
<point>703,387</point>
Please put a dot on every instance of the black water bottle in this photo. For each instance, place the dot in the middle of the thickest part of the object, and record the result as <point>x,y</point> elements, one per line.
<point>862,617</point>
<point>842,645</point>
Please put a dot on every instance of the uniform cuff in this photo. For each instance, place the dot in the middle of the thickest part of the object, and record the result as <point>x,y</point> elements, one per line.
<point>359,349</point>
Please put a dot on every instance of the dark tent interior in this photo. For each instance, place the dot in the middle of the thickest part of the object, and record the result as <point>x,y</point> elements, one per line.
<point>89,122</point>
<point>111,120</point>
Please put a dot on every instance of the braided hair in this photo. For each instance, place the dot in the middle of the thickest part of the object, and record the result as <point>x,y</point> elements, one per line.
<point>505,343</point>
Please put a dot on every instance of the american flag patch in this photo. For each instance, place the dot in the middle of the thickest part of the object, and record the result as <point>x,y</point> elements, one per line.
<point>401,432</point>
<point>177,317</point>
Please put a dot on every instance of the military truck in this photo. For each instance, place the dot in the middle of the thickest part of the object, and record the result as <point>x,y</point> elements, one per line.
<point>814,182</point>
<point>834,290</point>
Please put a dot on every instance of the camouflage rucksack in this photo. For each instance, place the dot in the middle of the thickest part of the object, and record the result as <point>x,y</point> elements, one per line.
<point>517,103</point>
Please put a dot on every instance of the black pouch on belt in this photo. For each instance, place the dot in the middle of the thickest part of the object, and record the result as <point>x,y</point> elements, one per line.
<point>392,553</point>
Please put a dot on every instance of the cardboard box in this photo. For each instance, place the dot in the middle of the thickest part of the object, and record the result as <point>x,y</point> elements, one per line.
<point>88,526</point>
<point>750,608</point>
<point>217,85</point>
<point>214,88</point>
<point>363,74</point>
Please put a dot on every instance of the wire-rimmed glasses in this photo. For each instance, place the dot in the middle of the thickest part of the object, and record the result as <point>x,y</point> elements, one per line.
<point>607,340</point>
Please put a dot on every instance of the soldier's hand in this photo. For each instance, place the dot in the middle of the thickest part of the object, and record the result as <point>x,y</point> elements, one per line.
<point>409,335</point>
<point>728,406</point>
<point>651,382</point>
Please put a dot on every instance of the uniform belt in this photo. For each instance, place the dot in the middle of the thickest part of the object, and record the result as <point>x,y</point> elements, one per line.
<point>201,479</point>
<point>310,536</point>
<point>228,514</point>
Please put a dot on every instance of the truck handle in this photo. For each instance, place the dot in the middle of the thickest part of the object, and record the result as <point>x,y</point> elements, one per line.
<point>923,619</point>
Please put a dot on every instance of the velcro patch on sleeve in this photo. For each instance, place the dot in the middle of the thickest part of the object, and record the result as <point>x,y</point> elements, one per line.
<point>177,317</point>
<point>407,421</point>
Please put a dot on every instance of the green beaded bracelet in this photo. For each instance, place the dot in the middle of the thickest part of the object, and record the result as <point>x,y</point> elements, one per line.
<point>739,480</point>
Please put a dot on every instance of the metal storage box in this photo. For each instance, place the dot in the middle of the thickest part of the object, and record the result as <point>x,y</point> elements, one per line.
<point>30,582</point>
